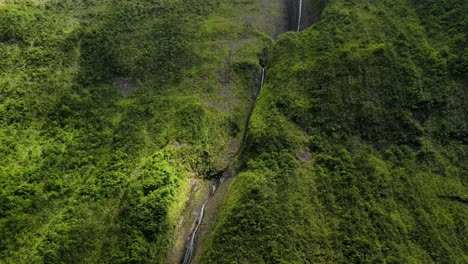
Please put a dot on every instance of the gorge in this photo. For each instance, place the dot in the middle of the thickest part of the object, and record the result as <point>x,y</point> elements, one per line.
<point>190,247</point>
<point>209,131</point>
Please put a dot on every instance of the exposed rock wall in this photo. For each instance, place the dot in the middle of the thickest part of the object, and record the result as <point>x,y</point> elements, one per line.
<point>311,11</point>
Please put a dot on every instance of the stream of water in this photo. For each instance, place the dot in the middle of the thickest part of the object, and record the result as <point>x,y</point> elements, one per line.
<point>191,241</point>
<point>263,80</point>
<point>300,16</point>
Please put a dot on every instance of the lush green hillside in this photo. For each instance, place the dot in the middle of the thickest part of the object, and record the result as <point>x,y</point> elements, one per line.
<point>111,111</point>
<point>108,110</point>
<point>357,150</point>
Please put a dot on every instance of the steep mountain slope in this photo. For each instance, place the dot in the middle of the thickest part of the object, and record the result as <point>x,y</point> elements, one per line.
<point>110,113</point>
<point>357,148</point>
<point>114,114</point>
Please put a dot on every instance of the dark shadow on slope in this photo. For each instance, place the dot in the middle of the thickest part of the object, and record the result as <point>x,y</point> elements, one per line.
<point>311,13</point>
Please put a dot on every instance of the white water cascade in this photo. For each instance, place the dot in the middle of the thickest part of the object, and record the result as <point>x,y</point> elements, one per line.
<point>190,246</point>
<point>300,16</point>
<point>263,80</point>
<point>191,240</point>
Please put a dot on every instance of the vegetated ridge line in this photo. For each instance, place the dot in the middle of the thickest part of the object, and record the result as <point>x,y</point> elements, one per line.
<point>300,16</point>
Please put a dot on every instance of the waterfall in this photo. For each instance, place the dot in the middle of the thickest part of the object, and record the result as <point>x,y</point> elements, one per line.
<point>190,248</point>
<point>259,88</point>
<point>300,16</point>
<point>263,78</point>
<point>191,240</point>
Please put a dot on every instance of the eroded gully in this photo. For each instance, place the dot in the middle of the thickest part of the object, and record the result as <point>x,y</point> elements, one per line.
<point>191,240</point>
<point>190,247</point>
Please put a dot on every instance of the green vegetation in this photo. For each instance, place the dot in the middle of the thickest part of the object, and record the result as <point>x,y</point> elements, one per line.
<point>107,110</point>
<point>357,147</point>
<point>356,151</point>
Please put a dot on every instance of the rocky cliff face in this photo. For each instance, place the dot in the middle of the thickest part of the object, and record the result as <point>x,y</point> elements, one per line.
<point>311,10</point>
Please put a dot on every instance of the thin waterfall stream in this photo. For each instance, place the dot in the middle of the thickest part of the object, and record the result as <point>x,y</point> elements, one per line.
<point>191,241</point>
<point>263,80</point>
<point>299,16</point>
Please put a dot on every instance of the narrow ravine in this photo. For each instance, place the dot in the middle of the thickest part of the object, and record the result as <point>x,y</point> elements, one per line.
<point>191,242</point>
<point>252,108</point>
<point>190,247</point>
